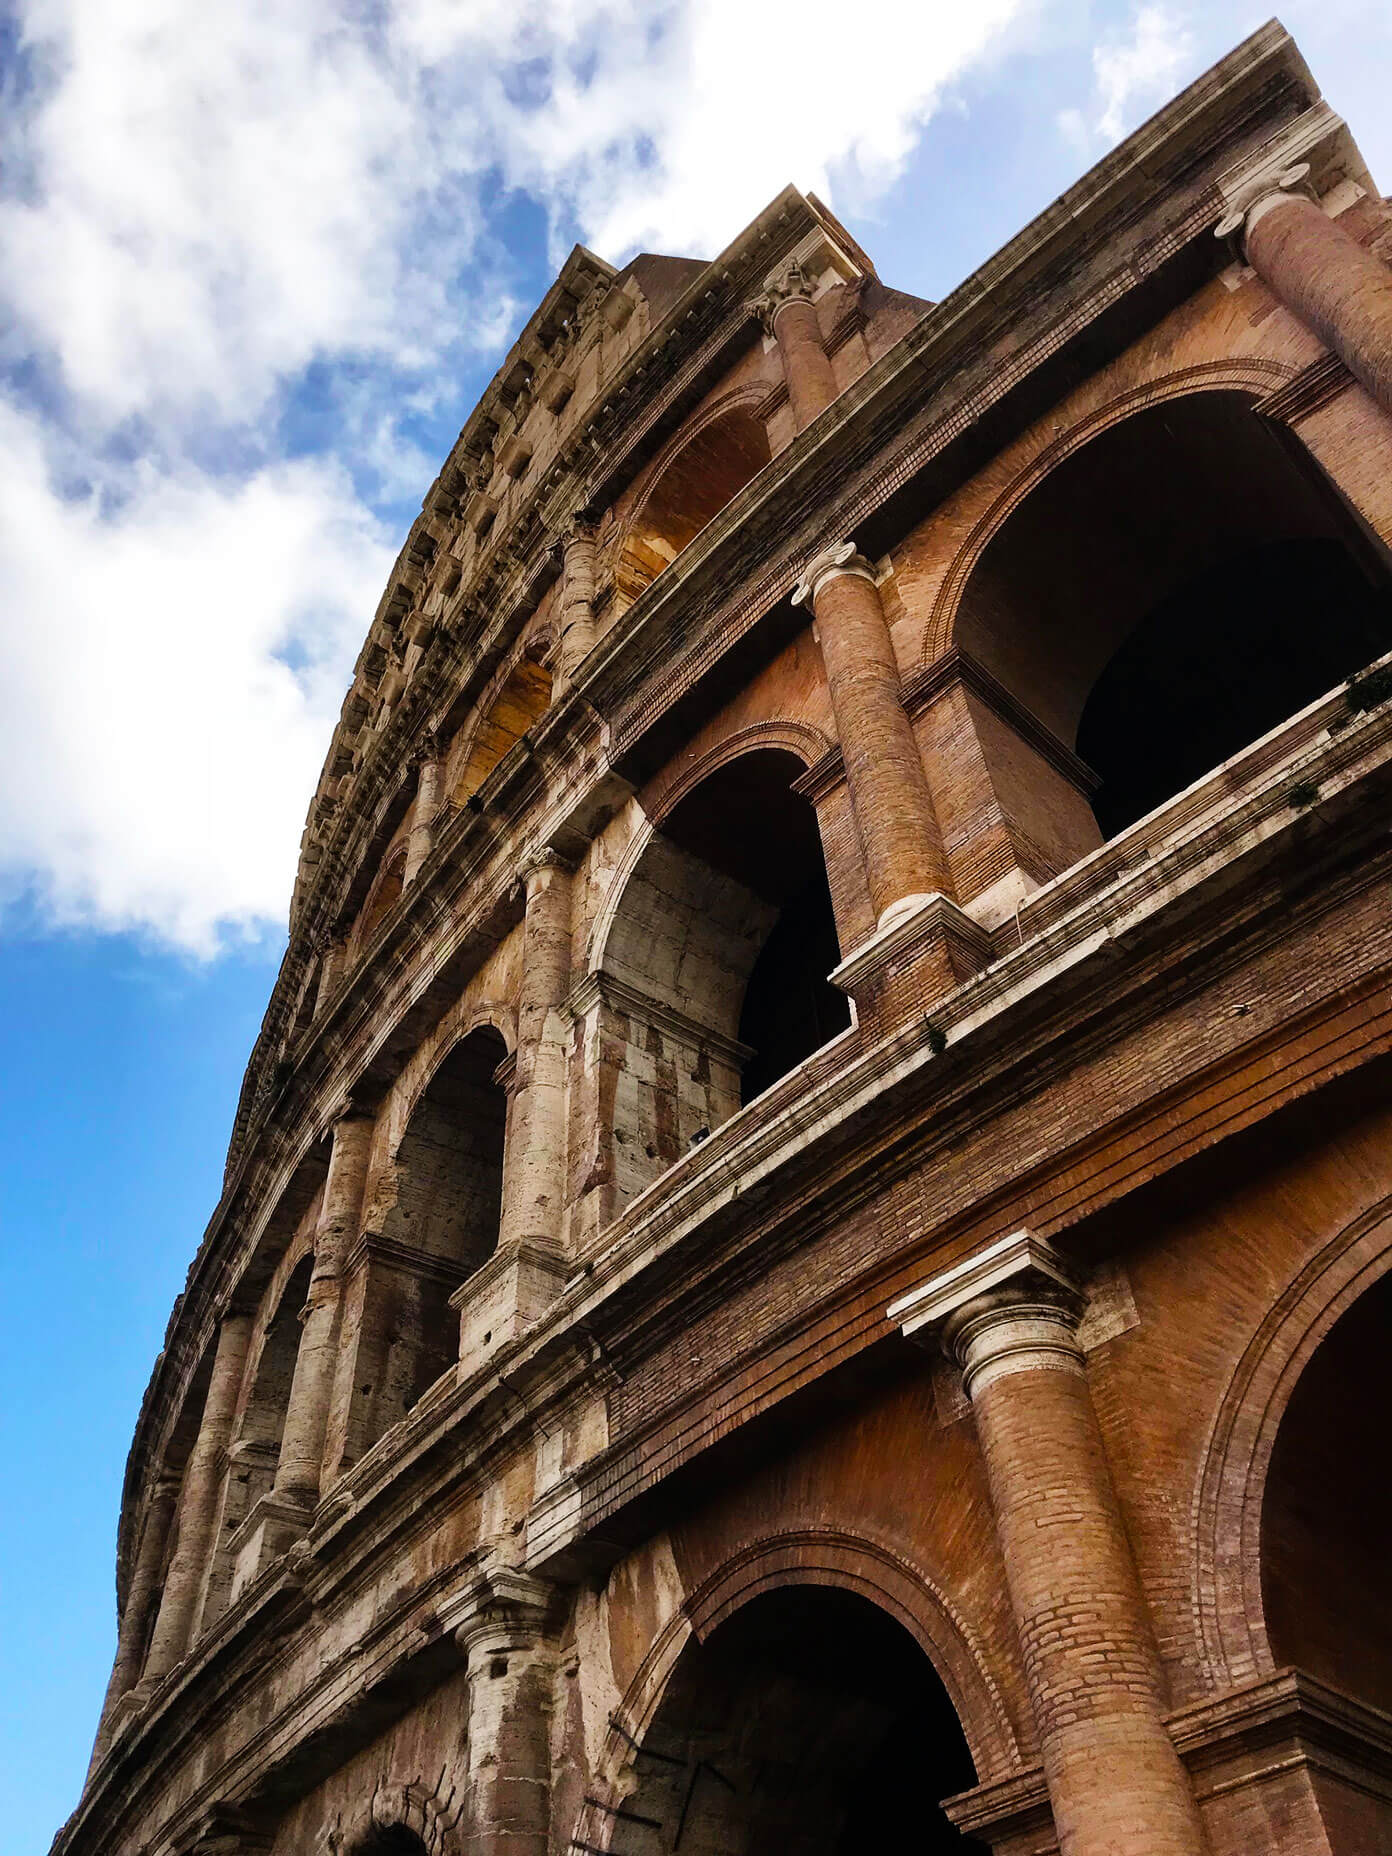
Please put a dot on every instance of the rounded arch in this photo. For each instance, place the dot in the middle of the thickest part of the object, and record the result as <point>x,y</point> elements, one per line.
<point>460,1022</point>
<point>787,1561</point>
<point>715,943</point>
<point>433,1223</point>
<point>382,898</point>
<point>1229,1606</point>
<point>1254,377</point>
<point>412,1809</point>
<point>701,469</point>
<point>520,696</point>
<point>801,739</point>
<point>1182,582</point>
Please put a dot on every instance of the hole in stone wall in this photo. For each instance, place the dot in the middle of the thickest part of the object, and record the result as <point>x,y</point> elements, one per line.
<point>442,1226</point>
<point>706,473</point>
<point>523,700</point>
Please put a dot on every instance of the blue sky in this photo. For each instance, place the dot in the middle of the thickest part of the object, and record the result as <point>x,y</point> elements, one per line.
<point>257,259</point>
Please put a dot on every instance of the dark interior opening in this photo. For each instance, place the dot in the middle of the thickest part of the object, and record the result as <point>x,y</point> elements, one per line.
<point>1221,661</point>
<point>1169,593</point>
<point>449,1180</point>
<point>747,824</point>
<point>1327,1512</point>
<point>811,1723</point>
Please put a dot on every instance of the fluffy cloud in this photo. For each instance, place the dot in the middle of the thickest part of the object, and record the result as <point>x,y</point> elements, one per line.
<point>1134,69</point>
<point>1140,69</point>
<point>171,672</point>
<point>214,213</point>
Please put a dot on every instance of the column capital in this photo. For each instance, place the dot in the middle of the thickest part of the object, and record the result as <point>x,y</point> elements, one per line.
<point>503,1608</point>
<point>1257,195</point>
<point>842,557</point>
<point>791,285</point>
<point>1020,1272</point>
<point>580,531</point>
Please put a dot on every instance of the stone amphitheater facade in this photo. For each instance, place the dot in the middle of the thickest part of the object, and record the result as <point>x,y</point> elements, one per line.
<point>804,1263</point>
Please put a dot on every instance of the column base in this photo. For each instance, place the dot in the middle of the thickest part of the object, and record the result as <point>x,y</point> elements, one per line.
<point>272,1525</point>
<point>503,1297</point>
<point>923,949</point>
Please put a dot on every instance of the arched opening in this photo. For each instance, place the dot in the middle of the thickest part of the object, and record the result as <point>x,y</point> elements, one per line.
<point>385,895</point>
<point>442,1225</point>
<point>712,467</point>
<point>1172,591</point>
<point>391,1840</point>
<point>522,701</point>
<point>721,945</point>
<point>255,1450</point>
<point>1327,1511</point>
<point>809,1722</point>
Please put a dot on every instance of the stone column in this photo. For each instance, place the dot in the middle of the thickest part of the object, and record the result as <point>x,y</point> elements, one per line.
<point>1316,267</point>
<point>429,774</point>
<point>306,1416</point>
<point>330,973</point>
<point>198,1500</point>
<point>534,1183</point>
<point>893,808</point>
<point>577,603</point>
<point>511,1668</point>
<point>1010,1317</point>
<point>790,316</point>
<point>140,1598</point>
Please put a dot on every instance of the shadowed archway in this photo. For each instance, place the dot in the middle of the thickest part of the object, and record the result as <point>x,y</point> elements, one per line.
<point>808,1723</point>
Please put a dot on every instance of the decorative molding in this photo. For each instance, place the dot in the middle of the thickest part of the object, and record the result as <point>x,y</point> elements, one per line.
<point>1021,1260</point>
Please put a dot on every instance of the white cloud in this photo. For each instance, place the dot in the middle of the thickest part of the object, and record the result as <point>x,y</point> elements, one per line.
<point>207,199</point>
<point>1134,71</point>
<point>171,672</point>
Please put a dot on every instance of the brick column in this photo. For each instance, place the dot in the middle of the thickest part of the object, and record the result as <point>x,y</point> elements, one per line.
<point>577,603</point>
<point>306,1416</point>
<point>889,790</point>
<point>534,1182</point>
<point>1010,1317</point>
<point>1336,286</point>
<point>198,1500</point>
<point>790,316</point>
<point>511,1668</point>
<point>429,773</point>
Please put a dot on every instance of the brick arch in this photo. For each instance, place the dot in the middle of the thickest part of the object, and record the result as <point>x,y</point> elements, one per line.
<point>470,758</point>
<point>383,896</point>
<point>1255,376</point>
<point>744,402</point>
<point>809,1556</point>
<point>415,1807</point>
<point>802,739</point>
<point>1227,1512</point>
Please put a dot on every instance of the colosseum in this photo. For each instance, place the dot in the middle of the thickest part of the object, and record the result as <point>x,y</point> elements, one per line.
<point>807,1244</point>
